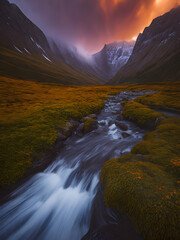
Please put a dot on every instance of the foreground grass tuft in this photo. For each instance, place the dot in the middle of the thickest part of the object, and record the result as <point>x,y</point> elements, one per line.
<point>141,114</point>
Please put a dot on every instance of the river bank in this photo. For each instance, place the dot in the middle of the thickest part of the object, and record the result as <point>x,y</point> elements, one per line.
<point>144,185</point>
<point>72,179</point>
<point>77,179</point>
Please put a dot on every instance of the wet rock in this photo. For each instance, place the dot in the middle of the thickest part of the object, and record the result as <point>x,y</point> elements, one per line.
<point>75,124</point>
<point>125,135</point>
<point>110,123</point>
<point>119,118</point>
<point>113,113</point>
<point>116,111</point>
<point>116,101</point>
<point>122,126</point>
<point>93,116</point>
<point>102,123</point>
<point>125,99</point>
<point>84,119</point>
<point>90,125</point>
<point>61,137</point>
<point>90,116</point>
<point>68,130</point>
<point>80,129</point>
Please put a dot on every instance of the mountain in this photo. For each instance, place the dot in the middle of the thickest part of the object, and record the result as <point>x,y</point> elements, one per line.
<point>156,54</point>
<point>25,52</point>
<point>113,57</point>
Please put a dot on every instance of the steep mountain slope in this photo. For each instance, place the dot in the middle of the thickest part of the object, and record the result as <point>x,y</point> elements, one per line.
<point>113,57</point>
<point>156,55</point>
<point>78,61</point>
<point>25,52</point>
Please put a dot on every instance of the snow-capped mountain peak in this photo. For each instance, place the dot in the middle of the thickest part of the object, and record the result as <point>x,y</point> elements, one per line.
<point>114,56</point>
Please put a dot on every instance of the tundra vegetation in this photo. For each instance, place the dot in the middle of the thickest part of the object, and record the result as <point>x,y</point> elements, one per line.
<point>145,184</point>
<point>32,114</point>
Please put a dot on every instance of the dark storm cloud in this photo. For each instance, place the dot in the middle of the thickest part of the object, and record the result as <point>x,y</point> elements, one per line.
<point>91,23</point>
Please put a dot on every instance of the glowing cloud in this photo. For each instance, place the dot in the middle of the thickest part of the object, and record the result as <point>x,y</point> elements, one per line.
<point>91,23</point>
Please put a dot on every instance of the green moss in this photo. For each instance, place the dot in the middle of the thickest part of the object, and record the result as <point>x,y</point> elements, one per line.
<point>31,114</point>
<point>147,194</point>
<point>162,145</point>
<point>140,114</point>
<point>145,184</point>
<point>87,124</point>
<point>166,98</point>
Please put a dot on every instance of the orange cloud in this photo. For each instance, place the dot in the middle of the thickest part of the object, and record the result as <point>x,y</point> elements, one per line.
<point>92,23</point>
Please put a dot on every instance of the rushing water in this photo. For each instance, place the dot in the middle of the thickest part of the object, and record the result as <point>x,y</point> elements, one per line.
<point>57,203</point>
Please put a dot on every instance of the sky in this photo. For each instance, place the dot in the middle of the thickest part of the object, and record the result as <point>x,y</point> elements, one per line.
<point>89,24</point>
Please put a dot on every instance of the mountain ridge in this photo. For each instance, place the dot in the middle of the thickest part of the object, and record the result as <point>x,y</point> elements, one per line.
<point>156,46</point>
<point>26,53</point>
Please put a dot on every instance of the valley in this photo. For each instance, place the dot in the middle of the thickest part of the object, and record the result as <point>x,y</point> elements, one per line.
<point>90,143</point>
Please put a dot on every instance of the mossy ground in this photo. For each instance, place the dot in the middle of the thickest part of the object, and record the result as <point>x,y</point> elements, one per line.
<point>140,114</point>
<point>145,184</point>
<point>31,115</point>
<point>33,67</point>
<point>168,96</point>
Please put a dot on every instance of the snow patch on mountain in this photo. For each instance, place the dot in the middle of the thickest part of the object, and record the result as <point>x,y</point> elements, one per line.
<point>113,57</point>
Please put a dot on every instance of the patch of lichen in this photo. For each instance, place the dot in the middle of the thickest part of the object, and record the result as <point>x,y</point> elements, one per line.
<point>141,114</point>
<point>144,192</point>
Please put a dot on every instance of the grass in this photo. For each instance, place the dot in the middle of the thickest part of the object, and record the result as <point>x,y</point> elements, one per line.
<point>167,97</point>
<point>32,113</point>
<point>147,194</point>
<point>141,114</point>
<point>145,184</point>
<point>27,67</point>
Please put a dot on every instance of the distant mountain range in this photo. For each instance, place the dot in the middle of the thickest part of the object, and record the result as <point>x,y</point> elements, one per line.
<point>156,54</point>
<point>26,53</point>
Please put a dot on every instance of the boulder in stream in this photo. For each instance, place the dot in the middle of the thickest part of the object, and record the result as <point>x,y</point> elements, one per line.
<point>121,125</point>
<point>125,134</point>
<point>119,118</point>
<point>61,137</point>
<point>90,125</point>
<point>80,129</point>
<point>68,130</point>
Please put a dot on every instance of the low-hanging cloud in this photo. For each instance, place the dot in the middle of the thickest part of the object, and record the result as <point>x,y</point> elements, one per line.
<point>91,23</point>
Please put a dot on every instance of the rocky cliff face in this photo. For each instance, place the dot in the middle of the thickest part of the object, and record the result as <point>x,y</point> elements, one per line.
<point>157,46</point>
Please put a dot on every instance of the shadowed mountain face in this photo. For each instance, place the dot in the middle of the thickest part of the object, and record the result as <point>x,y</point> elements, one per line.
<point>19,33</point>
<point>156,55</point>
<point>26,53</point>
<point>25,41</point>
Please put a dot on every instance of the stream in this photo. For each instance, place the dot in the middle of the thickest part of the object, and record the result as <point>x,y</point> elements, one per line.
<point>58,204</point>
